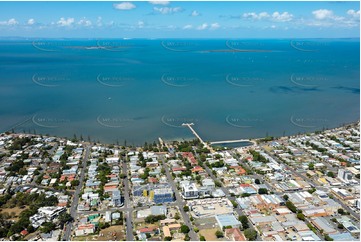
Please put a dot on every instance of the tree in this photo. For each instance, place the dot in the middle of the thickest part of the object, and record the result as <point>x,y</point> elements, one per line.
<point>330,174</point>
<point>65,217</point>
<point>257,181</point>
<point>47,227</point>
<point>340,226</point>
<point>219,234</point>
<point>167,238</point>
<point>185,229</point>
<point>285,197</point>
<point>244,221</point>
<point>154,218</point>
<point>328,238</point>
<point>250,234</point>
<point>234,203</point>
<point>341,211</point>
<point>312,190</point>
<point>202,238</point>
<point>262,191</point>
<point>311,166</point>
<point>74,183</point>
<point>291,206</point>
<point>186,209</point>
<point>176,216</point>
<point>187,238</point>
<point>148,235</point>
<point>301,216</point>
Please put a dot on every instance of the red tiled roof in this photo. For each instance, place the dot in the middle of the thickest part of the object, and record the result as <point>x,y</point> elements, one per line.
<point>244,185</point>
<point>197,169</point>
<point>86,226</point>
<point>190,157</point>
<point>236,233</point>
<point>63,204</point>
<point>147,230</point>
<point>110,188</point>
<point>179,169</point>
<point>152,179</point>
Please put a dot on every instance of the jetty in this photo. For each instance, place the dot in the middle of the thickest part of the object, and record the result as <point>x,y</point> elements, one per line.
<point>208,145</point>
<point>189,125</point>
<point>14,126</point>
<point>231,141</point>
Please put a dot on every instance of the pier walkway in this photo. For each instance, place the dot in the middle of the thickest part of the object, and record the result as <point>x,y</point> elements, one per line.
<point>208,146</point>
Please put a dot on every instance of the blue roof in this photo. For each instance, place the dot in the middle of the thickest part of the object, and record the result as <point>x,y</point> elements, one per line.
<point>342,237</point>
<point>249,190</point>
<point>227,220</point>
<point>158,210</point>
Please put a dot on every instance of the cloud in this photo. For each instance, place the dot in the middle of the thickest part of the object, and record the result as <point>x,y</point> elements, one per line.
<point>354,14</point>
<point>250,15</point>
<point>214,26</point>
<point>194,13</point>
<point>140,24</point>
<point>124,6</point>
<point>326,18</point>
<point>282,17</point>
<point>31,21</point>
<point>168,10</point>
<point>159,2</point>
<point>84,22</point>
<point>65,22</point>
<point>202,26</point>
<point>188,26</point>
<point>322,14</point>
<point>99,22</point>
<point>256,16</point>
<point>10,22</point>
<point>205,26</point>
<point>276,16</point>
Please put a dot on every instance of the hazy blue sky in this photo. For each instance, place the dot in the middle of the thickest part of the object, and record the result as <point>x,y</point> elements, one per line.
<point>180,19</point>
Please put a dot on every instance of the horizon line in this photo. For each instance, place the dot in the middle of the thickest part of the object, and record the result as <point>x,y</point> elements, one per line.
<point>165,38</point>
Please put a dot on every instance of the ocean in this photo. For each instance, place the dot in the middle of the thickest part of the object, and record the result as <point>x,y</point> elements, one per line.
<point>137,90</point>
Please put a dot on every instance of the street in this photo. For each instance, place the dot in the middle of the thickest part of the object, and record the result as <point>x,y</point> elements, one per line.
<point>127,204</point>
<point>179,201</point>
<point>74,204</point>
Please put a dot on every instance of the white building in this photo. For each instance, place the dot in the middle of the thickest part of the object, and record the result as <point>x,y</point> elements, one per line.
<point>189,191</point>
<point>208,183</point>
<point>51,212</point>
<point>344,175</point>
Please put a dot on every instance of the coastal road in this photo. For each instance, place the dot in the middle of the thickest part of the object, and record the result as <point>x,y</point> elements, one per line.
<point>179,201</point>
<point>128,208</point>
<point>74,204</point>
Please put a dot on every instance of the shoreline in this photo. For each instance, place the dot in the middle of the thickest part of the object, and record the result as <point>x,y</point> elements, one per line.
<point>180,139</point>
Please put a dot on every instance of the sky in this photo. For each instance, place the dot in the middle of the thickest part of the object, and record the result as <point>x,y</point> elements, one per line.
<point>173,19</point>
